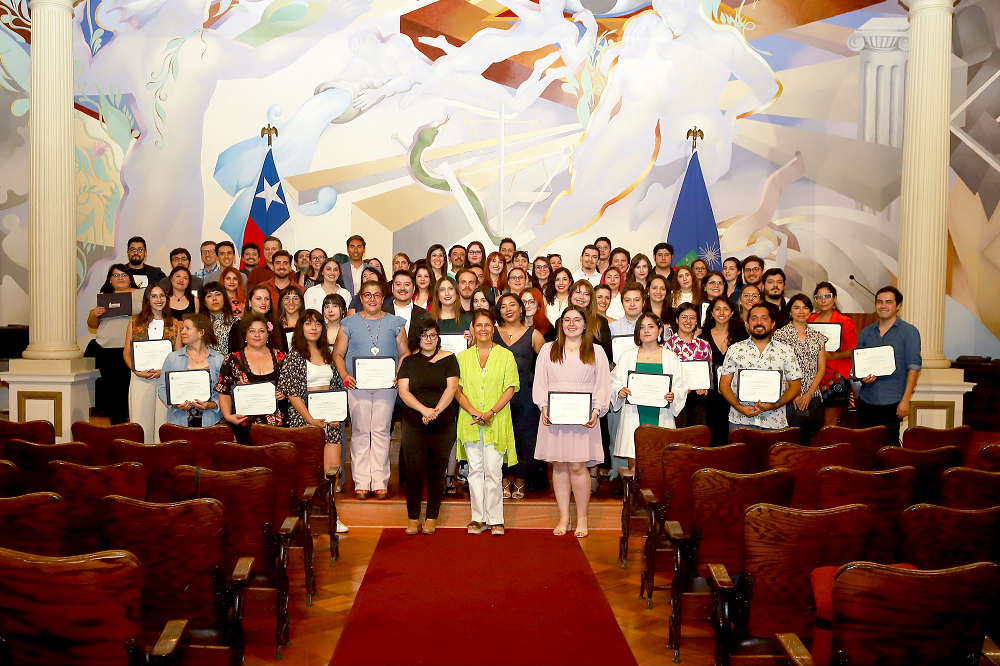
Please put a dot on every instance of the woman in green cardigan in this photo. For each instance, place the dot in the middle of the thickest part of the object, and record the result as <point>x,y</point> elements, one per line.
<point>485,429</point>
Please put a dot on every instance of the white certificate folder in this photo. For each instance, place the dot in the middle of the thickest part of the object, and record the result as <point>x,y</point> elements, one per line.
<point>648,388</point>
<point>758,385</point>
<point>150,354</point>
<point>254,399</point>
<point>879,361</point>
<point>374,372</point>
<point>185,385</point>
<point>569,408</point>
<point>330,406</point>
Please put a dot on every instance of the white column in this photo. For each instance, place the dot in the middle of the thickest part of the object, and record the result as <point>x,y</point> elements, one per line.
<point>923,232</point>
<point>51,199</point>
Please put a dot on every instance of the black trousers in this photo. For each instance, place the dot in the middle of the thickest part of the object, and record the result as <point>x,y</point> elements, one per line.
<point>695,411</point>
<point>426,452</point>
<point>111,392</point>
<point>876,415</point>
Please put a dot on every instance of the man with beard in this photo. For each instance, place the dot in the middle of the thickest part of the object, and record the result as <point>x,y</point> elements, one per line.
<point>774,293</point>
<point>760,352</point>
<point>181,257</point>
<point>401,304</point>
<point>281,264</point>
<point>456,256</point>
<point>142,273</point>
<point>263,272</point>
<point>467,283</point>
<point>251,257</point>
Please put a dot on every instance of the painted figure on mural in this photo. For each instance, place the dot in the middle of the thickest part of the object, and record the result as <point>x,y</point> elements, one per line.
<point>672,66</point>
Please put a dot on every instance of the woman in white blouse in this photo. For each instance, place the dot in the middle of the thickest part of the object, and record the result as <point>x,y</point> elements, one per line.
<point>652,357</point>
<point>332,284</point>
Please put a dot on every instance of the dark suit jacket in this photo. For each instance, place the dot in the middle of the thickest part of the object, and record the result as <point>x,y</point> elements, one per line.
<point>348,277</point>
<point>417,314</point>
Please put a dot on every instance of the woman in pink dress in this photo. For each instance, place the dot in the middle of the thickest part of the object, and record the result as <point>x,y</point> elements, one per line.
<point>572,363</point>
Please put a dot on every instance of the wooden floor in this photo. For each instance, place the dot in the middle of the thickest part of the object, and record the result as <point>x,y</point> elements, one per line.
<point>316,630</point>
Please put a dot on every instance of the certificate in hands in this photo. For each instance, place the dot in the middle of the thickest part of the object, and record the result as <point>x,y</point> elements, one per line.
<point>569,408</point>
<point>453,342</point>
<point>832,333</point>
<point>758,385</point>
<point>115,305</point>
<point>328,406</point>
<point>254,399</point>
<point>374,372</point>
<point>648,389</point>
<point>185,385</point>
<point>698,374</point>
<point>150,354</point>
<point>621,344</point>
<point>878,361</point>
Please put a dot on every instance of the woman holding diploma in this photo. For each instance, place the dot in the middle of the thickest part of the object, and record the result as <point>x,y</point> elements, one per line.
<point>428,381</point>
<point>835,386</point>
<point>571,364</point>
<point>112,391</point>
<point>488,381</point>
<point>308,368</point>
<point>255,363</point>
<point>219,309</point>
<point>154,322</point>
<point>370,334</point>
<point>198,338</point>
<point>689,348</point>
<point>809,346</point>
<point>652,358</point>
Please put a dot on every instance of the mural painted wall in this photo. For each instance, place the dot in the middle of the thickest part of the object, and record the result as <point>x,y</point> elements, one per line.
<point>553,122</point>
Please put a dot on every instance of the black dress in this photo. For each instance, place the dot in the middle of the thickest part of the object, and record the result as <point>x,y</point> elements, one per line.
<point>522,408</point>
<point>716,406</point>
<point>426,447</point>
<point>179,314</point>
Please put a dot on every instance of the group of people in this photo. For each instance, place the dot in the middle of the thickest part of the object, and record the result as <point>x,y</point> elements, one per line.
<point>495,357</point>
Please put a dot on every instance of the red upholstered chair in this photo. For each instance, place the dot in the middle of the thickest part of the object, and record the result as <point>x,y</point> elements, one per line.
<point>866,442</point>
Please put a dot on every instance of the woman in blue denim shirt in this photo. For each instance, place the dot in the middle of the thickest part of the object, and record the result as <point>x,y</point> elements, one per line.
<point>196,336</point>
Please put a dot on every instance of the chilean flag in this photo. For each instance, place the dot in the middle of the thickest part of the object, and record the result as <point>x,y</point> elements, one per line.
<point>269,209</point>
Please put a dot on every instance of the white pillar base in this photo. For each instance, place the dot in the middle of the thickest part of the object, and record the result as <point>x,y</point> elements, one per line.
<point>937,399</point>
<point>58,391</point>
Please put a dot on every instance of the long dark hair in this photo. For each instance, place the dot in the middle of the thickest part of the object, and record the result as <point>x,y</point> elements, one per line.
<point>519,302</point>
<point>444,267</point>
<point>550,286</point>
<point>301,345</point>
<point>146,313</point>
<point>106,288</point>
<point>558,351</point>
<point>340,273</point>
<point>735,330</point>
<point>282,315</point>
<point>170,283</point>
<point>630,276</point>
<point>488,294</point>
<point>228,316</point>
<point>534,278</point>
<point>418,329</point>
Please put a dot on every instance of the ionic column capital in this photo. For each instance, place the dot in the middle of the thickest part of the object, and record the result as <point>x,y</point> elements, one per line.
<point>915,6</point>
<point>881,34</point>
<point>52,4</point>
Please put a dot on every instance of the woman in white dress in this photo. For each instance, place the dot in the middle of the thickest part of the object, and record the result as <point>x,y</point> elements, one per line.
<point>154,322</point>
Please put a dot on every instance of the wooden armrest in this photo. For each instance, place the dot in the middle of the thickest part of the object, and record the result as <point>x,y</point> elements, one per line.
<point>333,472</point>
<point>794,649</point>
<point>648,496</point>
<point>289,526</point>
<point>720,577</point>
<point>991,651</point>
<point>168,642</point>
<point>675,530</point>
<point>626,473</point>
<point>243,570</point>
<point>309,493</point>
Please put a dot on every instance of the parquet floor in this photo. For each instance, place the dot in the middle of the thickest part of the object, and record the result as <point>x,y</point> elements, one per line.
<point>316,630</point>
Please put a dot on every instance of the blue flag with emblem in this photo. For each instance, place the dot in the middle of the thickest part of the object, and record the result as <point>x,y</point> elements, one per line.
<point>693,231</point>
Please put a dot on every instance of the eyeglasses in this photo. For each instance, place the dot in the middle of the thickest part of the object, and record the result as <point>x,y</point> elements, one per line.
<point>715,282</point>
<point>519,278</point>
<point>822,297</point>
<point>291,297</point>
<point>371,296</point>
<point>119,275</point>
<point>429,335</point>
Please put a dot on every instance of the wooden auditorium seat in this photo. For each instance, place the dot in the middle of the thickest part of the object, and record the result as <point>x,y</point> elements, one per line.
<point>805,462</point>
<point>964,488</point>
<point>36,523</point>
<point>649,444</point>
<point>673,500</point>
<point>39,432</point>
<point>922,438</point>
<point>936,537</point>
<point>183,553</point>
<point>248,496</point>
<point>866,442</point>
<point>8,478</point>
<point>158,459</point>
<point>32,461</point>
<point>759,443</point>
<point>887,615</point>
<point>886,494</point>
<point>929,464</point>
<point>99,437</point>
<point>719,502</point>
<point>83,486</point>
<point>986,458</point>
<point>199,437</point>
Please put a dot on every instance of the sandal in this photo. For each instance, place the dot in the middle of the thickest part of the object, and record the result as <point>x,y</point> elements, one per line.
<point>496,530</point>
<point>450,490</point>
<point>518,491</point>
<point>474,527</point>
<point>361,494</point>
<point>506,488</point>
<point>381,494</point>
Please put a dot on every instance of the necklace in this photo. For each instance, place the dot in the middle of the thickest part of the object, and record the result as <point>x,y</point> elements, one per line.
<point>374,338</point>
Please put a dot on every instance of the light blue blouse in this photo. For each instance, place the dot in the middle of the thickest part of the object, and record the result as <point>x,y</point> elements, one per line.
<point>361,333</point>
<point>178,360</point>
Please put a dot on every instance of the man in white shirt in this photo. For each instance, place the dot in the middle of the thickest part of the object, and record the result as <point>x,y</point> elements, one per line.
<point>402,304</point>
<point>588,266</point>
<point>351,269</point>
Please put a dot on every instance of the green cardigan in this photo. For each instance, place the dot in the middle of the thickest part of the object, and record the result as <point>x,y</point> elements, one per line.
<point>485,390</point>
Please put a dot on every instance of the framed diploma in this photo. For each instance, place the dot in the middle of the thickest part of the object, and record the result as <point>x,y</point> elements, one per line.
<point>327,405</point>
<point>453,342</point>
<point>698,374</point>
<point>832,333</point>
<point>254,399</point>
<point>648,389</point>
<point>150,354</point>
<point>704,314</point>
<point>288,338</point>
<point>184,385</point>
<point>758,385</point>
<point>569,408</point>
<point>374,372</point>
<point>878,361</point>
<point>115,305</point>
<point>621,344</point>
<point>141,280</point>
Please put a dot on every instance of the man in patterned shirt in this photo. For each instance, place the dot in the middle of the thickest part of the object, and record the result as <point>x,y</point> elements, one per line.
<point>760,352</point>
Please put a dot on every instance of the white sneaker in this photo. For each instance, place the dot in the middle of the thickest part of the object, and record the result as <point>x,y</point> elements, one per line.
<point>341,527</point>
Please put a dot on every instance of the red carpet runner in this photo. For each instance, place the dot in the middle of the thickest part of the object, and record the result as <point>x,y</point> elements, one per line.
<point>452,598</point>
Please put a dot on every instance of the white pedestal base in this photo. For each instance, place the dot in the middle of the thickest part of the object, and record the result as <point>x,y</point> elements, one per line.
<point>937,399</point>
<point>60,392</point>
